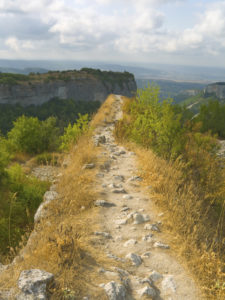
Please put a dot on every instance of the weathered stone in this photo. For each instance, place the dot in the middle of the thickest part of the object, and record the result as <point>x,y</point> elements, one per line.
<point>119,177</point>
<point>155,276</point>
<point>135,178</point>
<point>146,254</point>
<point>130,242</point>
<point>153,227</point>
<point>125,209</point>
<point>161,245</point>
<point>168,283</point>
<point>147,291</point>
<point>115,291</point>
<point>121,222</point>
<point>135,259</point>
<point>127,197</point>
<point>122,272</point>
<point>100,140</point>
<point>139,218</point>
<point>104,234</point>
<point>33,284</point>
<point>148,238</point>
<point>119,191</point>
<point>104,203</point>
<point>50,195</point>
<point>88,166</point>
<point>106,166</point>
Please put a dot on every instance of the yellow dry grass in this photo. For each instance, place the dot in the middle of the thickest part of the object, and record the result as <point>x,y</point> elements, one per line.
<point>105,113</point>
<point>63,243</point>
<point>186,215</point>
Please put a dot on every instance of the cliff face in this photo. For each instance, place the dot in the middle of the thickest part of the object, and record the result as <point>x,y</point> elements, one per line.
<point>217,89</point>
<point>85,87</point>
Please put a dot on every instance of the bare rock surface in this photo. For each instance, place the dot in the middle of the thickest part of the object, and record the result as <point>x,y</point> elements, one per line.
<point>33,284</point>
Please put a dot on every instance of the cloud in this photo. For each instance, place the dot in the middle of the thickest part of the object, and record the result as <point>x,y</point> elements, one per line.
<point>110,27</point>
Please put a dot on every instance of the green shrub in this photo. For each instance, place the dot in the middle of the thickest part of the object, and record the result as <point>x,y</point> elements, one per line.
<point>4,157</point>
<point>32,136</point>
<point>73,132</point>
<point>156,124</point>
<point>19,199</point>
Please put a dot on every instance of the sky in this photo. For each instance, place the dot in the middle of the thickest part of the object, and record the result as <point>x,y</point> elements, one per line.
<point>185,32</point>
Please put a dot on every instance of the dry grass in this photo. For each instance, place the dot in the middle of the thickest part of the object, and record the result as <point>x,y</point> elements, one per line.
<point>185,217</point>
<point>105,113</point>
<point>197,232</point>
<point>62,241</point>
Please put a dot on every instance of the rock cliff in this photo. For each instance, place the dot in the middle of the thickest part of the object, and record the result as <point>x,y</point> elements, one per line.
<point>217,89</point>
<point>84,85</point>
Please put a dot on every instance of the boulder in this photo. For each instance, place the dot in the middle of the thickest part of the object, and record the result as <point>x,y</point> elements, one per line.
<point>33,284</point>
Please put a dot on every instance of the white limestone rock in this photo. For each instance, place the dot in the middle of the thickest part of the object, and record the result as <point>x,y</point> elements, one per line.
<point>127,197</point>
<point>140,218</point>
<point>134,258</point>
<point>103,234</point>
<point>33,284</point>
<point>147,291</point>
<point>130,243</point>
<point>161,245</point>
<point>168,283</point>
<point>155,276</point>
<point>104,203</point>
<point>88,166</point>
<point>115,291</point>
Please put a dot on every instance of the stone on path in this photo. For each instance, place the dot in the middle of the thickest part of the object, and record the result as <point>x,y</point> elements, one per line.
<point>153,227</point>
<point>119,177</point>
<point>135,259</point>
<point>147,291</point>
<point>155,276</point>
<point>33,284</point>
<point>88,166</point>
<point>130,242</point>
<point>104,203</point>
<point>168,283</point>
<point>121,222</point>
<point>148,238</point>
<point>103,234</point>
<point>115,291</point>
<point>127,197</point>
<point>161,245</point>
<point>139,218</point>
<point>119,191</point>
<point>50,195</point>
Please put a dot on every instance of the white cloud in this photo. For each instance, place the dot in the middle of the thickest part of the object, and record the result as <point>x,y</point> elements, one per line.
<point>112,27</point>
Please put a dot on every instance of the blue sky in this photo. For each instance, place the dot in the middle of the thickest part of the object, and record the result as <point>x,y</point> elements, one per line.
<point>145,31</point>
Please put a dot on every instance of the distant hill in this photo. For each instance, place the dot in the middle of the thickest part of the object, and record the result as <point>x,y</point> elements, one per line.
<point>179,91</point>
<point>84,85</point>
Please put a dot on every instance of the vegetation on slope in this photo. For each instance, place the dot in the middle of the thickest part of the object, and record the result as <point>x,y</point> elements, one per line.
<point>187,179</point>
<point>105,76</point>
<point>62,243</point>
<point>21,195</point>
<point>64,110</point>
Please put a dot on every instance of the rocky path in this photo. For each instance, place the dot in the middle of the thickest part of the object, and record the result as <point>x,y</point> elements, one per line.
<point>133,233</point>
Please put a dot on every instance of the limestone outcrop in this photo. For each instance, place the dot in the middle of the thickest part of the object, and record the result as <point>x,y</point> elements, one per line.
<point>215,89</point>
<point>82,86</point>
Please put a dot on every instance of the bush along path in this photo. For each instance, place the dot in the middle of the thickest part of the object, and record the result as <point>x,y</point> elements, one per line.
<point>131,233</point>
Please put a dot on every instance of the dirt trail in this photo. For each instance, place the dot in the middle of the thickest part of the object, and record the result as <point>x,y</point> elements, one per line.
<point>133,233</point>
